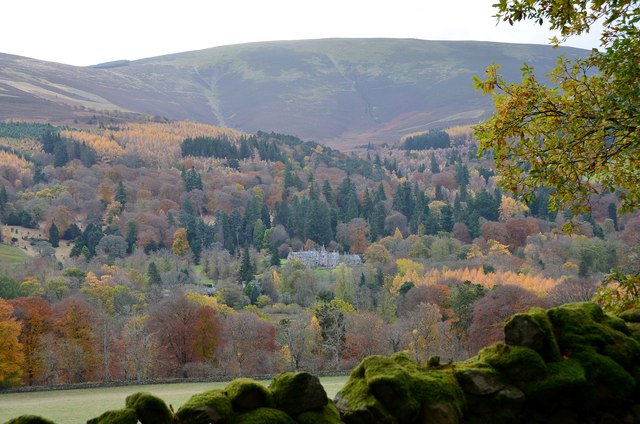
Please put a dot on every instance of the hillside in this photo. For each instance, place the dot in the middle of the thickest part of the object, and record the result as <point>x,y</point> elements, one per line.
<point>337,91</point>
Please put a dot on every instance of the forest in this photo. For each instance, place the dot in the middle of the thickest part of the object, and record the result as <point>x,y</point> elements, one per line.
<point>159,250</point>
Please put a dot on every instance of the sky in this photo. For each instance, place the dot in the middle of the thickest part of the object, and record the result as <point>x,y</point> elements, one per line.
<point>82,32</point>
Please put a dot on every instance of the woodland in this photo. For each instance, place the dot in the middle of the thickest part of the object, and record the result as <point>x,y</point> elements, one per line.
<point>158,250</point>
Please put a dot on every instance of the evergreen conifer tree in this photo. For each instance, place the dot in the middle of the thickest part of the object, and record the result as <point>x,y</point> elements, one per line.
<point>246,268</point>
<point>54,235</point>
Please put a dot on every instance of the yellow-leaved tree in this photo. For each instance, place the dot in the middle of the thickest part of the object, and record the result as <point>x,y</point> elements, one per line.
<point>11,353</point>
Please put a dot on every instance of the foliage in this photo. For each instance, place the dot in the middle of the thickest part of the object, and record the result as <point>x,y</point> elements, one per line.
<point>14,129</point>
<point>11,355</point>
<point>432,139</point>
<point>180,244</point>
<point>578,136</point>
<point>619,292</point>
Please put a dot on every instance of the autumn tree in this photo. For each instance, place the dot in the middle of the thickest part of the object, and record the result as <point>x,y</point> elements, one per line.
<point>34,313</point>
<point>249,344</point>
<point>295,336</point>
<point>180,244</point>
<point>11,354</point>
<point>172,323</point>
<point>491,311</point>
<point>72,357</point>
<point>424,333</point>
<point>580,134</point>
<point>332,319</point>
<point>364,336</point>
<point>139,350</point>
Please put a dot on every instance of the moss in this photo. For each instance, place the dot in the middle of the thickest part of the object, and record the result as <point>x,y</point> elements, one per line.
<point>631,315</point>
<point>149,408</point>
<point>634,330</point>
<point>611,383</point>
<point>602,345</point>
<point>566,382</point>
<point>203,408</point>
<point>29,419</point>
<point>398,384</point>
<point>328,414</point>
<point>357,405</point>
<point>520,365</point>
<point>295,393</point>
<point>264,416</point>
<point>579,325</point>
<point>543,340</point>
<point>433,362</point>
<point>119,416</point>
<point>246,394</point>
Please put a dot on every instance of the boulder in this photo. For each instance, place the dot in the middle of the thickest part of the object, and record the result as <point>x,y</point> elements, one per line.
<point>328,414</point>
<point>533,330</point>
<point>120,416</point>
<point>397,389</point>
<point>149,408</point>
<point>630,315</point>
<point>264,416</point>
<point>246,394</point>
<point>211,407</point>
<point>296,393</point>
<point>29,419</point>
<point>480,382</point>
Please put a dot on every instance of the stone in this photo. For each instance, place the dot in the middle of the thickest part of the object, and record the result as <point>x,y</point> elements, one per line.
<point>246,394</point>
<point>440,413</point>
<point>328,414</point>
<point>149,408</point>
<point>296,393</point>
<point>210,407</point>
<point>264,416</point>
<point>480,382</point>
<point>630,315</point>
<point>533,330</point>
<point>29,419</point>
<point>119,416</point>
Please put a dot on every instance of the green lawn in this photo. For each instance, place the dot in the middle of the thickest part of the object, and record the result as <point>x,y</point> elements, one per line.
<point>11,256</point>
<point>77,406</point>
<point>203,278</point>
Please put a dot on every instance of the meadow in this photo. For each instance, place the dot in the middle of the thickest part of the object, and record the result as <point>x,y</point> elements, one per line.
<point>11,256</point>
<point>79,405</point>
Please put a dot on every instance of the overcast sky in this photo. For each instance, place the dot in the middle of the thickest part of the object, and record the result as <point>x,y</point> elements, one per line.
<point>84,32</point>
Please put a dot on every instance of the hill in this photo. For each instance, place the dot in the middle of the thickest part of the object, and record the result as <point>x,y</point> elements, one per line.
<point>337,91</point>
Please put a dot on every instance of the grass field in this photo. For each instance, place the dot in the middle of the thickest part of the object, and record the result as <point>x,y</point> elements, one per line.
<point>11,256</point>
<point>77,406</point>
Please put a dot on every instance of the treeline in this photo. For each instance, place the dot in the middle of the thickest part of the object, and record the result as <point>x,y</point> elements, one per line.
<point>25,130</point>
<point>432,139</point>
<point>223,148</point>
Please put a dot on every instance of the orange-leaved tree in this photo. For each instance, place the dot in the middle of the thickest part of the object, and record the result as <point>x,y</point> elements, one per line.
<point>11,355</point>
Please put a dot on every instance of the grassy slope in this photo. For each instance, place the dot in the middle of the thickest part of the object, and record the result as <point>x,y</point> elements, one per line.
<point>11,256</point>
<point>333,90</point>
<point>75,406</point>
